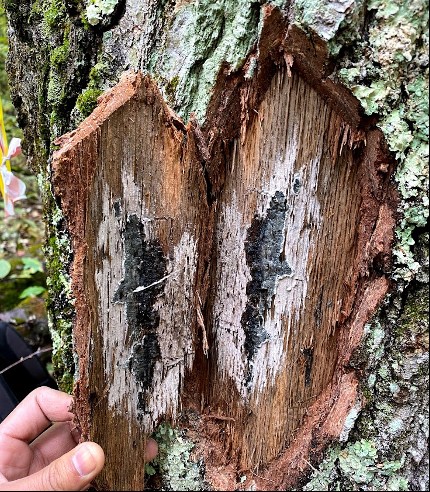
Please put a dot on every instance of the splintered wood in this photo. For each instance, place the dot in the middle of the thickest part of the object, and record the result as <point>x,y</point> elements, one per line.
<point>228,281</point>
<point>285,245</point>
<point>130,173</point>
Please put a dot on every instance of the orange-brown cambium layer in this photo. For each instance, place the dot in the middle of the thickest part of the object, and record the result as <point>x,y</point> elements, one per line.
<point>223,274</point>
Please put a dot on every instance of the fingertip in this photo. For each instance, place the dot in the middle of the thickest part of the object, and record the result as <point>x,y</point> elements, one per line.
<point>54,401</point>
<point>151,449</point>
<point>88,459</point>
<point>97,452</point>
<point>74,470</point>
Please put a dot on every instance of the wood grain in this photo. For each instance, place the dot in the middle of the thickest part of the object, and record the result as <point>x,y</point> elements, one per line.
<point>292,148</point>
<point>225,271</point>
<point>141,222</point>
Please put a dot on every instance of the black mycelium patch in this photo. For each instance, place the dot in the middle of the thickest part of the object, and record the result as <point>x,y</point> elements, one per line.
<point>117,209</point>
<point>263,248</point>
<point>296,185</point>
<point>144,265</point>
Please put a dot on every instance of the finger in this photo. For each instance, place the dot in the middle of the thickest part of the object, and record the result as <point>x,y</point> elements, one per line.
<point>15,458</point>
<point>35,414</point>
<point>3,479</point>
<point>151,450</point>
<point>73,471</point>
<point>53,443</point>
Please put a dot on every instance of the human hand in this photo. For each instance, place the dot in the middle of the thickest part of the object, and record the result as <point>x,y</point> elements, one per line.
<point>35,455</point>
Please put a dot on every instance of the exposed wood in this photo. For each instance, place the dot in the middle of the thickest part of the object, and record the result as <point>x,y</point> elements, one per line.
<point>277,294</point>
<point>227,269</point>
<point>130,171</point>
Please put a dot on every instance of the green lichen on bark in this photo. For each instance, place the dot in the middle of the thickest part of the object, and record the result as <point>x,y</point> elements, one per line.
<point>174,464</point>
<point>208,34</point>
<point>98,10</point>
<point>380,50</point>
<point>87,99</point>
<point>60,302</point>
<point>49,63</point>
<point>322,16</point>
<point>357,467</point>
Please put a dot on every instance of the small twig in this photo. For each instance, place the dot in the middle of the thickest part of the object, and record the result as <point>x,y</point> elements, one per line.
<point>23,359</point>
<point>246,470</point>
<point>145,287</point>
<point>201,323</point>
<point>310,464</point>
<point>262,478</point>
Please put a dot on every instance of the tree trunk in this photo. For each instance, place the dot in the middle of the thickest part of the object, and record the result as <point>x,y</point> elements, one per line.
<point>220,237</point>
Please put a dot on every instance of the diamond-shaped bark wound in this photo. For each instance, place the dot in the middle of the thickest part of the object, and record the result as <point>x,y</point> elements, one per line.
<point>254,234</point>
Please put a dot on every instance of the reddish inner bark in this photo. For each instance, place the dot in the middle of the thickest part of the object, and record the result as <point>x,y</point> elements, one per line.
<point>189,179</point>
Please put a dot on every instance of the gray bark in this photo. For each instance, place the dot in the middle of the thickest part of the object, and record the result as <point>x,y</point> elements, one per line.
<point>272,317</point>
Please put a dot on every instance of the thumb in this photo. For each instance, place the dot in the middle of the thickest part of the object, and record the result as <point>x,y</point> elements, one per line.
<point>73,471</point>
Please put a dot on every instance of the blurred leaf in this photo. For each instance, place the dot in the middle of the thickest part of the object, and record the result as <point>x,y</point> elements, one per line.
<point>149,469</point>
<point>33,291</point>
<point>33,265</point>
<point>50,368</point>
<point>5,268</point>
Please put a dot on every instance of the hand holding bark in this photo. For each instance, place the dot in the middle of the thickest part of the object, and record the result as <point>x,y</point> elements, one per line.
<point>38,448</point>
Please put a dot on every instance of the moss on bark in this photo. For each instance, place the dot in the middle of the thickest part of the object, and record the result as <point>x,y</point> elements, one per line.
<point>49,63</point>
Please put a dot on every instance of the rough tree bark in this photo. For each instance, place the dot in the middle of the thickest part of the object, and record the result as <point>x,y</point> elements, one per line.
<point>220,234</point>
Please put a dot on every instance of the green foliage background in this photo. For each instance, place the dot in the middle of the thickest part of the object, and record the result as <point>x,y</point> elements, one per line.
<point>21,236</point>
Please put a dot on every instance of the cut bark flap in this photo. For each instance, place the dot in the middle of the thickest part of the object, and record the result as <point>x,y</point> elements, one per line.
<point>135,188</point>
<point>228,269</point>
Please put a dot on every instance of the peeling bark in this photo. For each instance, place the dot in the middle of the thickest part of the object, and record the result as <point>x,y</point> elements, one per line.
<point>131,194</point>
<point>223,275</point>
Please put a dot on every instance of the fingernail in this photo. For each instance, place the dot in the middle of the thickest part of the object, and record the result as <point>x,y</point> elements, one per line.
<point>84,461</point>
